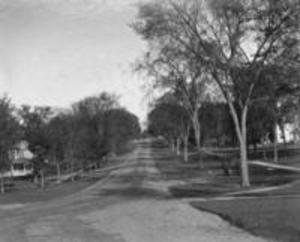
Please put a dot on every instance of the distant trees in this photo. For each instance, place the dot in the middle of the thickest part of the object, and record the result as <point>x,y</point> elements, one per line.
<point>58,134</point>
<point>119,127</point>
<point>217,125</point>
<point>34,122</point>
<point>95,127</point>
<point>231,43</point>
<point>9,134</point>
<point>171,121</point>
<point>260,123</point>
<point>94,105</point>
<point>101,126</point>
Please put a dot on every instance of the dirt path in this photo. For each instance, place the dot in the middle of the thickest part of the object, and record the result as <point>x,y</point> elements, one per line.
<point>132,205</point>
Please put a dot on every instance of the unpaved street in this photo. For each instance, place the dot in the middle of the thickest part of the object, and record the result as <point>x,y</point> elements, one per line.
<point>131,205</point>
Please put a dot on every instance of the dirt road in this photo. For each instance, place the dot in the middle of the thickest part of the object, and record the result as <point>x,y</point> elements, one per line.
<point>131,205</point>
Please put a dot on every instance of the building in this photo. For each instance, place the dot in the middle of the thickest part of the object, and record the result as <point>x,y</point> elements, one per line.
<point>291,131</point>
<point>21,161</point>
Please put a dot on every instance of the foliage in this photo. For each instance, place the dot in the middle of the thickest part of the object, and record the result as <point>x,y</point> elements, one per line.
<point>232,42</point>
<point>94,105</point>
<point>260,123</point>
<point>9,131</point>
<point>94,128</point>
<point>120,126</point>
<point>34,123</point>
<point>217,125</point>
<point>167,120</point>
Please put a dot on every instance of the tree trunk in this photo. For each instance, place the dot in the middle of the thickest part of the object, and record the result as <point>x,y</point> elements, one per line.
<point>244,154</point>
<point>186,148</point>
<point>72,169</point>
<point>58,171</point>
<point>241,132</point>
<point>2,184</point>
<point>173,145</point>
<point>275,143</point>
<point>71,157</point>
<point>244,165</point>
<point>82,164</point>
<point>178,143</point>
<point>281,126</point>
<point>197,134</point>
<point>42,179</point>
<point>264,142</point>
<point>36,179</point>
<point>264,153</point>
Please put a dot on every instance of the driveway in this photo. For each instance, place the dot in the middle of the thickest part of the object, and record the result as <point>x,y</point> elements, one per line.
<point>131,205</point>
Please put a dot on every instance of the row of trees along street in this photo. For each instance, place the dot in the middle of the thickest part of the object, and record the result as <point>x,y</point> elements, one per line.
<point>82,137</point>
<point>242,53</point>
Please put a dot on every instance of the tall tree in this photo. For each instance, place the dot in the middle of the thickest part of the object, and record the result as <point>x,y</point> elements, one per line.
<point>58,135</point>
<point>171,121</point>
<point>34,122</point>
<point>93,105</point>
<point>120,126</point>
<point>234,40</point>
<point>9,135</point>
<point>87,126</point>
<point>171,68</point>
<point>97,127</point>
<point>217,126</point>
<point>278,92</point>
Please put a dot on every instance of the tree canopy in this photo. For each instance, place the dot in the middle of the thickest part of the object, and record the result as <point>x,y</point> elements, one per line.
<point>231,43</point>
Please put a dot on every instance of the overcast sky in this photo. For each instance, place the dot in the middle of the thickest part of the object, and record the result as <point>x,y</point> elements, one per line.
<point>54,52</point>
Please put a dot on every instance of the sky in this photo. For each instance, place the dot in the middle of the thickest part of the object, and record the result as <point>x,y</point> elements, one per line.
<point>55,52</point>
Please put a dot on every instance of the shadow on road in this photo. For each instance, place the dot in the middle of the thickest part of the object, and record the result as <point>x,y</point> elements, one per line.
<point>135,193</point>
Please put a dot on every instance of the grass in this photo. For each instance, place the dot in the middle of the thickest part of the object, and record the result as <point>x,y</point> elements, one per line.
<point>24,191</point>
<point>273,214</point>
<point>272,218</point>
<point>288,154</point>
<point>217,182</point>
<point>27,193</point>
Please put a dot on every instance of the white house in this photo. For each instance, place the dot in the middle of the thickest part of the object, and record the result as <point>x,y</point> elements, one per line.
<point>21,161</point>
<point>291,131</point>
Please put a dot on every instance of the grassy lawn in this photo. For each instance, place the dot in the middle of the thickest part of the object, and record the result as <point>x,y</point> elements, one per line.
<point>24,191</point>
<point>30,193</point>
<point>288,154</point>
<point>212,181</point>
<point>275,218</point>
<point>274,214</point>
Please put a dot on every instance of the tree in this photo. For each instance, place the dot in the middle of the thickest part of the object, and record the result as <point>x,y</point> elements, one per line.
<point>97,127</point>
<point>96,104</point>
<point>171,121</point>
<point>234,41</point>
<point>120,126</point>
<point>80,139</point>
<point>279,93</point>
<point>171,68</point>
<point>160,123</point>
<point>87,141</point>
<point>9,135</point>
<point>217,125</point>
<point>260,122</point>
<point>58,134</point>
<point>34,122</point>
